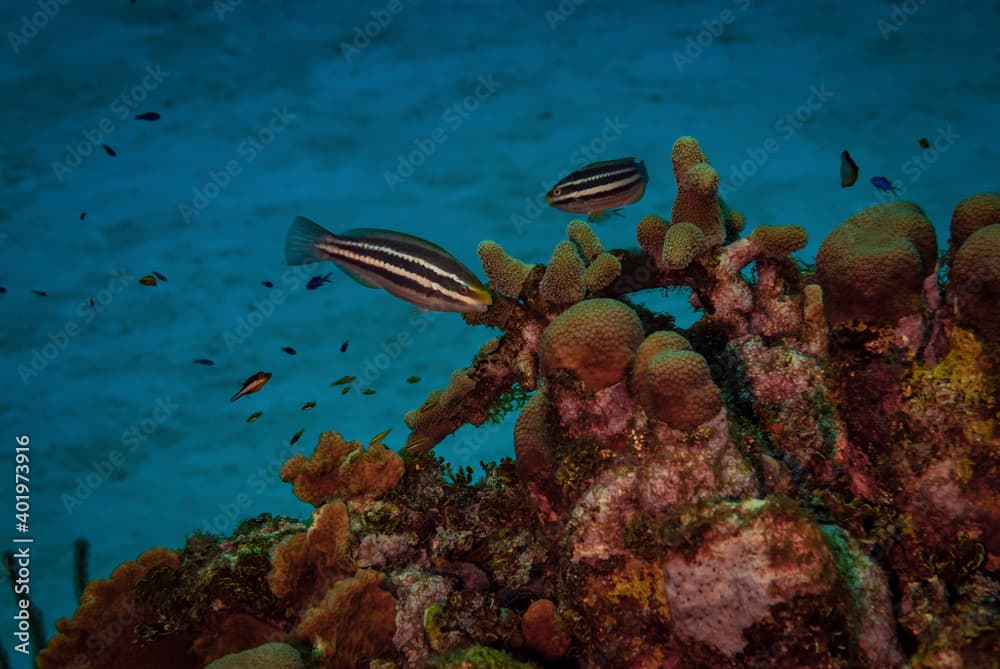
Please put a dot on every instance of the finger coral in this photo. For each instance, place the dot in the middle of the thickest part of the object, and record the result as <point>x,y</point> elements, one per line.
<point>697,199</point>
<point>507,273</point>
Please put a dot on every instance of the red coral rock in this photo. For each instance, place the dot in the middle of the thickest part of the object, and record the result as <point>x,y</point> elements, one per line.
<point>542,633</point>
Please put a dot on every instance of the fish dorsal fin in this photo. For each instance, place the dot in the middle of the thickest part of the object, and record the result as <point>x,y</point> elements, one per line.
<point>360,233</point>
<point>628,160</point>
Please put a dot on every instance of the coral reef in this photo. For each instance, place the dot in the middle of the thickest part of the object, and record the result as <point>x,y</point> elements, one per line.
<point>809,476</point>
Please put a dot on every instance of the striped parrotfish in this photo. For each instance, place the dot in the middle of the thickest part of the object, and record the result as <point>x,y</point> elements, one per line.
<point>408,267</point>
<point>597,187</point>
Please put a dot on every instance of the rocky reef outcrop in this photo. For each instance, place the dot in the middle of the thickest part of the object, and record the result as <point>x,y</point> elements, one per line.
<point>809,476</point>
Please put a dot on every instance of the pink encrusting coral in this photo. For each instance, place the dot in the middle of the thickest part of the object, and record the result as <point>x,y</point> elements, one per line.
<point>809,476</point>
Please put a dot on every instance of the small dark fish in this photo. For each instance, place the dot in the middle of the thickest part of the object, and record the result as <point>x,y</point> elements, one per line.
<point>203,361</point>
<point>108,150</point>
<point>413,379</point>
<point>288,349</point>
<point>252,385</point>
<point>308,405</point>
<point>377,439</point>
<point>254,416</point>
<point>367,391</point>
<point>343,347</point>
<point>848,170</point>
<point>83,215</point>
<point>296,436</point>
<point>148,280</point>
<point>91,303</point>
<point>344,379</point>
<point>40,292</point>
<point>267,284</point>
<point>884,184</point>
<point>345,390</point>
<point>4,290</point>
<point>147,116</point>
<point>159,276</point>
<point>923,143</point>
<point>318,281</point>
<point>599,186</point>
<point>408,267</point>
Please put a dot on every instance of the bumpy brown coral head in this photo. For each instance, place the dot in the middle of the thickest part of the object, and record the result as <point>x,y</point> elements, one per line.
<point>595,340</point>
<point>873,265</point>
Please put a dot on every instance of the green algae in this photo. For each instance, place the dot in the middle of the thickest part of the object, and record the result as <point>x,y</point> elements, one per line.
<point>477,657</point>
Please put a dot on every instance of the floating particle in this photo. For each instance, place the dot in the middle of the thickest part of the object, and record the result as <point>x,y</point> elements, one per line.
<point>308,405</point>
<point>377,439</point>
<point>42,293</point>
<point>254,416</point>
<point>4,290</point>
<point>91,303</point>
<point>296,436</point>
<point>413,379</point>
<point>148,280</point>
<point>343,347</point>
<point>83,215</point>
<point>147,116</point>
<point>159,276</point>
<point>108,150</point>
<point>344,379</point>
<point>204,361</point>
<point>252,385</point>
<point>345,390</point>
<point>288,349</point>
<point>848,170</point>
<point>367,391</point>
<point>923,143</point>
<point>267,284</point>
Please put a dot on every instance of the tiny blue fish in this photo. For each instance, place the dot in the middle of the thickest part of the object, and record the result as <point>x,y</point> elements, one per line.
<point>318,281</point>
<point>884,184</point>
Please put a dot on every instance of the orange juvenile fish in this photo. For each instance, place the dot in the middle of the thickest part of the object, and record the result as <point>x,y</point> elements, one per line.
<point>848,170</point>
<point>252,385</point>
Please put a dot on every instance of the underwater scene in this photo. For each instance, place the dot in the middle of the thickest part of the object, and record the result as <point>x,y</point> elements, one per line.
<point>548,333</point>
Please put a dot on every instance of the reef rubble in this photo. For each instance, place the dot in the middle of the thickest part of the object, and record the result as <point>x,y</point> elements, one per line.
<point>809,476</point>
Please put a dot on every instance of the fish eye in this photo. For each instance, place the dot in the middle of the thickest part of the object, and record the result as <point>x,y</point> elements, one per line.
<point>556,192</point>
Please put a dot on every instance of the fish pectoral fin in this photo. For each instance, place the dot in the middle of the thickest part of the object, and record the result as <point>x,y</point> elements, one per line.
<point>598,216</point>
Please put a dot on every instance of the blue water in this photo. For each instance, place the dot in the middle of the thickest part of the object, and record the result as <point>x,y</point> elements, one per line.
<point>444,120</point>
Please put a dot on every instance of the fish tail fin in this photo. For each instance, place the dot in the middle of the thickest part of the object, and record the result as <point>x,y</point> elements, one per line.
<point>642,171</point>
<point>302,242</point>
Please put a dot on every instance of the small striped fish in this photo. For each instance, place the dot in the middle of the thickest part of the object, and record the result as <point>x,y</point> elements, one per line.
<point>597,187</point>
<point>408,267</point>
